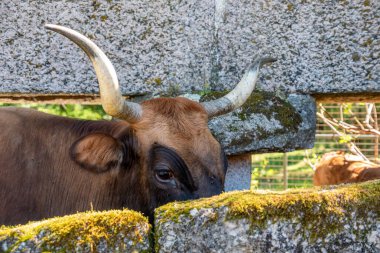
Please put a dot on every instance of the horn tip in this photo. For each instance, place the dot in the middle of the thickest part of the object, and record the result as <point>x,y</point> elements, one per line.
<point>50,26</point>
<point>55,28</point>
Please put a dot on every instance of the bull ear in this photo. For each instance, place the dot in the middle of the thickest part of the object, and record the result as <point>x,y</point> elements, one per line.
<point>97,152</point>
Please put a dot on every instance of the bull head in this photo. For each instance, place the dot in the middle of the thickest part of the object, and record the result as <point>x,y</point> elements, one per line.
<point>175,149</point>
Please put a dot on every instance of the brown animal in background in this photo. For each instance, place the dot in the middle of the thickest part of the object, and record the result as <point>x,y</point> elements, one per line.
<point>159,151</point>
<point>338,167</point>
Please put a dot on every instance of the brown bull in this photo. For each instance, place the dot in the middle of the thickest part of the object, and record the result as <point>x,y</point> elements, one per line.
<point>338,167</point>
<point>161,150</point>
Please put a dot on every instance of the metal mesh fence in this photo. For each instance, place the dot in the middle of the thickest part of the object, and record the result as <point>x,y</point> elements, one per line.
<point>279,171</point>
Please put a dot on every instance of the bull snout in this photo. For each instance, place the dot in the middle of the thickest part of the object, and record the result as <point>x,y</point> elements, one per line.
<point>211,186</point>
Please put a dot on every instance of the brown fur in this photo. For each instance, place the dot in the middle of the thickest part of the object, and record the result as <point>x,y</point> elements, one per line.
<point>98,151</point>
<point>52,166</point>
<point>189,130</point>
<point>337,168</point>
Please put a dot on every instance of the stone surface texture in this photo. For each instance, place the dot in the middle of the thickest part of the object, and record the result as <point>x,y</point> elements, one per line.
<point>321,46</point>
<point>111,231</point>
<point>267,123</point>
<point>316,221</point>
<point>238,175</point>
<point>149,42</point>
<point>335,219</point>
<point>171,46</point>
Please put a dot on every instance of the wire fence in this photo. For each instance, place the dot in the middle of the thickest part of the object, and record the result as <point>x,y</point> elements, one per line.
<point>279,171</point>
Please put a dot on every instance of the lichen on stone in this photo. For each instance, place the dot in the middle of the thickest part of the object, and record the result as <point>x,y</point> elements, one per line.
<point>265,120</point>
<point>266,103</point>
<point>116,230</point>
<point>319,211</point>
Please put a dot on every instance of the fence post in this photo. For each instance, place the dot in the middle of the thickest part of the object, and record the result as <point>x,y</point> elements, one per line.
<point>239,173</point>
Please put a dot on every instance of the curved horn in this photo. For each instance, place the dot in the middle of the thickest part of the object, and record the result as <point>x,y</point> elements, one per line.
<point>237,97</point>
<point>112,101</point>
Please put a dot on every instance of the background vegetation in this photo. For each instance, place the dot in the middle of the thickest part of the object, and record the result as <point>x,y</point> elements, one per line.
<point>279,171</point>
<point>93,112</point>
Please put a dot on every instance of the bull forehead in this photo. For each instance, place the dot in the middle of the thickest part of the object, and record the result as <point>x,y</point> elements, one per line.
<point>174,111</point>
<point>177,117</point>
<point>181,124</point>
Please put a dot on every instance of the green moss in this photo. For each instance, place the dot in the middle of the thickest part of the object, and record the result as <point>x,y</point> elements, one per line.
<point>157,236</point>
<point>212,95</point>
<point>116,7</point>
<point>36,65</point>
<point>280,109</point>
<point>368,42</point>
<point>82,230</point>
<point>367,3</point>
<point>340,49</point>
<point>90,36</point>
<point>146,33</point>
<point>268,104</point>
<point>158,81</point>
<point>154,81</point>
<point>103,18</point>
<point>95,4</point>
<point>173,90</point>
<point>243,141</point>
<point>9,42</point>
<point>355,57</point>
<point>232,128</point>
<point>319,211</point>
<point>290,7</point>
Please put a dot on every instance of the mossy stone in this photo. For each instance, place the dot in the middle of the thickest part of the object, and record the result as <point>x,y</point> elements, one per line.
<point>320,211</point>
<point>115,230</point>
<point>266,103</point>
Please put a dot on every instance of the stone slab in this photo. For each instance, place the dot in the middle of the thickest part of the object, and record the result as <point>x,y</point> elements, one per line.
<point>267,123</point>
<point>342,218</point>
<point>152,45</point>
<point>173,46</point>
<point>335,219</point>
<point>108,231</point>
<point>321,46</point>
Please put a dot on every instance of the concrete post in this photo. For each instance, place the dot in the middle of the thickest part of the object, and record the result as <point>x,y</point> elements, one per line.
<point>239,173</point>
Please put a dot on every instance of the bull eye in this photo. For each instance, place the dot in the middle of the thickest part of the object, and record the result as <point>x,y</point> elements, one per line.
<point>164,176</point>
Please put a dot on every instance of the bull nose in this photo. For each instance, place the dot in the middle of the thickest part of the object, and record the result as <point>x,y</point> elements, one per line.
<point>212,188</point>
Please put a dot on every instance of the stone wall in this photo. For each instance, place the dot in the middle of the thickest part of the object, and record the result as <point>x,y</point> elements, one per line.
<point>111,231</point>
<point>334,219</point>
<point>174,46</point>
<point>342,219</point>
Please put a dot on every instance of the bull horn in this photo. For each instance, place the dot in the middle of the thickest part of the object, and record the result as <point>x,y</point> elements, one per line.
<point>237,97</point>
<point>112,101</point>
